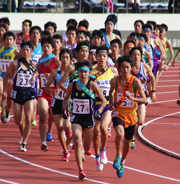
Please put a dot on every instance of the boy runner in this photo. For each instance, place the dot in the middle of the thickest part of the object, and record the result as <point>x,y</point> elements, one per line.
<point>51,27</point>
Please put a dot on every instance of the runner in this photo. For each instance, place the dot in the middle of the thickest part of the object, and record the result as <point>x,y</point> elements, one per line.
<point>51,27</point>
<point>82,92</point>
<point>56,103</point>
<point>92,55</point>
<point>116,47</point>
<point>58,44</point>
<point>23,90</point>
<point>123,98</point>
<point>103,76</point>
<point>97,37</point>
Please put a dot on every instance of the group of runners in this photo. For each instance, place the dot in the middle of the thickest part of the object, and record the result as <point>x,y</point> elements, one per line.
<point>83,82</point>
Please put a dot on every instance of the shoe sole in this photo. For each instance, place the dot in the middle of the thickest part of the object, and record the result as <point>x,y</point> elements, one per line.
<point>82,177</point>
<point>44,148</point>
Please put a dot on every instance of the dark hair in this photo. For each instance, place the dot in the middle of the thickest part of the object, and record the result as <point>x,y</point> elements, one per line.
<point>28,21</point>
<point>81,44</point>
<point>81,32</point>
<point>164,26</point>
<point>114,17</point>
<point>9,33</point>
<point>160,29</point>
<point>129,41</point>
<point>88,34</point>
<point>134,34</point>
<point>116,41</point>
<point>33,28</point>
<point>45,33</point>
<point>152,23</point>
<point>71,28</point>
<point>144,36</point>
<point>53,24</point>
<point>84,23</point>
<point>84,63</point>
<point>5,20</point>
<point>136,48</point>
<point>127,59</point>
<point>4,26</point>
<point>147,26</point>
<point>49,40</point>
<point>98,33</point>
<point>110,19</point>
<point>27,43</point>
<point>140,21</point>
<point>66,51</point>
<point>72,21</point>
<point>94,47</point>
<point>102,47</point>
<point>56,36</point>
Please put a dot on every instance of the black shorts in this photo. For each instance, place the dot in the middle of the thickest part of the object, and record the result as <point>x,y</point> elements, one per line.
<point>129,131</point>
<point>21,97</point>
<point>56,106</point>
<point>85,123</point>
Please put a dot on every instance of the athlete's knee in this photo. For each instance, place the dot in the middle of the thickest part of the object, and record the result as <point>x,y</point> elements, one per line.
<point>104,129</point>
<point>96,135</point>
<point>119,135</point>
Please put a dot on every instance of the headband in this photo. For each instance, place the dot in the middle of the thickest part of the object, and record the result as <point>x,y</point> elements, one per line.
<point>27,46</point>
<point>142,38</point>
<point>147,28</point>
<point>135,37</point>
<point>82,28</point>
<point>103,51</point>
<point>82,33</point>
<point>84,46</point>
<point>26,23</point>
<point>92,50</point>
<point>5,24</point>
<point>84,68</point>
<point>110,22</point>
<point>130,43</point>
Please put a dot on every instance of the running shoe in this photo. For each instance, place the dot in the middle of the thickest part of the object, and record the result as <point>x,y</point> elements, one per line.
<point>22,141</point>
<point>117,163</point>
<point>34,123</point>
<point>49,136</point>
<point>103,157</point>
<point>109,133</point>
<point>7,117</point>
<point>120,172</point>
<point>22,148</point>
<point>82,175</point>
<point>65,156</point>
<point>83,158</point>
<point>99,166</point>
<point>133,144</point>
<point>44,147</point>
<point>89,152</point>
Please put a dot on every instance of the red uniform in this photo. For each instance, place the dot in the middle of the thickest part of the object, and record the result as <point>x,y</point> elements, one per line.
<point>20,39</point>
<point>43,80</point>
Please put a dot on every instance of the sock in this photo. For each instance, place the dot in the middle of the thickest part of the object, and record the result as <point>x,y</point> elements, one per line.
<point>44,142</point>
<point>109,129</point>
<point>97,156</point>
<point>102,150</point>
<point>23,145</point>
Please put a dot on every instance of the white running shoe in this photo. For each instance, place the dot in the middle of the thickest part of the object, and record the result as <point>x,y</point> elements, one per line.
<point>99,166</point>
<point>103,157</point>
<point>22,148</point>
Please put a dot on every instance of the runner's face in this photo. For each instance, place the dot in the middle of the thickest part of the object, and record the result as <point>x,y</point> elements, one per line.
<point>115,48</point>
<point>71,35</point>
<point>47,49</point>
<point>2,31</point>
<point>57,44</point>
<point>35,35</point>
<point>83,75</point>
<point>96,40</point>
<point>83,54</point>
<point>65,60</point>
<point>125,68</point>
<point>9,41</point>
<point>135,40</point>
<point>147,33</point>
<point>51,30</point>
<point>157,32</point>
<point>109,27</point>
<point>127,49</point>
<point>163,32</point>
<point>92,56</point>
<point>26,52</point>
<point>80,38</point>
<point>141,42</point>
<point>25,28</point>
<point>138,27</point>
<point>136,55</point>
<point>102,59</point>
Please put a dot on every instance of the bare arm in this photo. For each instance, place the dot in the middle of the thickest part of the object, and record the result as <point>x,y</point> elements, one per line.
<point>170,50</point>
<point>160,48</point>
<point>97,91</point>
<point>68,93</point>
<point>58,63</point>
<point>177,55</point>
<point>111,94</point>
<point>148,55</point>
<point>114,70</point>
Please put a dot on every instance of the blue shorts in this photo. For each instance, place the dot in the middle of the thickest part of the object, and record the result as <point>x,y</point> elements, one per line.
<point>141,103</point>
<point>96,108</point>
<point>2,74</point>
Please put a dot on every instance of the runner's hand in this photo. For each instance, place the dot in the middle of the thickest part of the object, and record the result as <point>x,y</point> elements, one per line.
<point>128,95</point>
<point>65,113</point>
<point>111,107</point>
<point>173,63</point>
<point>178,102</point>
<point>153,97</point>
<point>55,92</point>
<point>166,68</point>
<point>47,75</point>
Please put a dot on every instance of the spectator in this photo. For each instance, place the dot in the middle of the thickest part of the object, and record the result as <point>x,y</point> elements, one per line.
<point>135,5</point>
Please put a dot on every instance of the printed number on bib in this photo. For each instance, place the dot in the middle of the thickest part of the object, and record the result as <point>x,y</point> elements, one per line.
<point>104,90</point>
<point>4,64</point>
<point>13,94</point>
<point>44,81</point>
<point>39,92</point>
<point>126,102</point>
<point>81,106</point>
<point>23,80</point>
<point>61,94</point>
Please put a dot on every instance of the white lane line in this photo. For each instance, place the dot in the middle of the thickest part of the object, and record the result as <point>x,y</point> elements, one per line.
<point>140,128</point>
<point>170,76</point>
<point>48,169</point>
<point>168,81</point>
<point>165,123</point>
<point>167,92</point>
<point>6,181</point>
<point>162,102</point>
<point>167,86</point>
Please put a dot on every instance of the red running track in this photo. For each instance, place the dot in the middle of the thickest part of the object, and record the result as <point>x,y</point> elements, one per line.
<point>143,165</point>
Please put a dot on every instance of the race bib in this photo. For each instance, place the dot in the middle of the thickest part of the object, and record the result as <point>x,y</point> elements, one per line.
<point>39,92</point>
<point>13,94</point>
<point>81,106</point>
<point>104,86</point>
<point>126,102</point>
<point>44,81</point>
<point>23,80</point>
<point>61,94</point>
<point>4,64</point>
